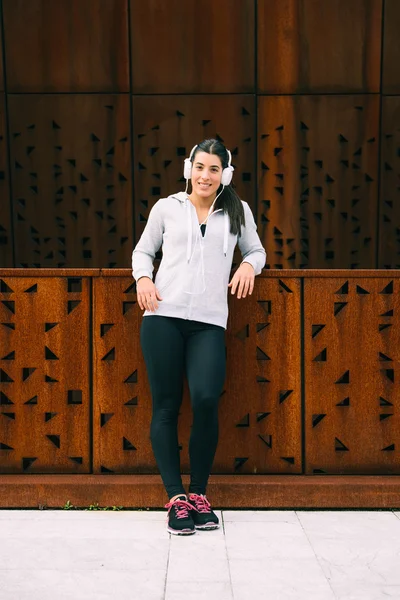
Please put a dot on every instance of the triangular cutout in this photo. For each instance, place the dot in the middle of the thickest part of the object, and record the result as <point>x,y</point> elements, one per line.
<point>322,356</point>
<point>344,289</point>
<point>389,448</point>
<point>127,445</point>
<point>110,355</point>
<point>31,290</point>
<point>283,394</point>
<point>55,439</point>
<point>389,374</point>
<point>10,304</point>
<point>27,462</point>
<point>338,306</point>
<point>130,289</point>
<point>48,415</point>
<point>5,288</point>
<point>384,402</point>
<point>388,289</point>
<point>48,326</point>
<point>239,462</point>
<point>361,290</point>
<point>316,330</point>
<point>5,447</point>
<point>384,357</point>
<point>33,400</point>
<point>132,378</point>
<point>267,439</point>
<point>4,377</point>
<point>104,327</point>
<point>104,418</point>
<point>345,378</point>
<point>317,419</point>
<point>49,379</point>
<point>243,333</point>
<point>244,421</point>
<point>5,400</point>
<point>384,416</point>
<point>339,446</point>
<point>266,305</point>
<point>127,306</point>
<point>261,355</point>
<point>72,304</point>
<point>132,402</point>
<point>345,402</point>
<point>49,354</point>
<point>261,415</point>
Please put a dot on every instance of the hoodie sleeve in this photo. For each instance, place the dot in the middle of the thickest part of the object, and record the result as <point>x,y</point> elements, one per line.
<point>250,244</point>
<point>149,243</point>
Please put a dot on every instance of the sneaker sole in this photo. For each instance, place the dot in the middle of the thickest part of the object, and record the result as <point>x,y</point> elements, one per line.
<point>207,526</point>
<point>178,532</point>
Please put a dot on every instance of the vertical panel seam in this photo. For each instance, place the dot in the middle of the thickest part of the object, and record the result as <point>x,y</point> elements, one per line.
<point>7,136</point>
<point>380,135</point>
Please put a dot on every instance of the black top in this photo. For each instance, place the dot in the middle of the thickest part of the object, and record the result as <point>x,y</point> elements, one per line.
<point>203,229</point>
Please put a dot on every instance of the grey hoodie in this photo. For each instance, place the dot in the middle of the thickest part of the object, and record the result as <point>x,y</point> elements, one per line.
<point>194,271</point>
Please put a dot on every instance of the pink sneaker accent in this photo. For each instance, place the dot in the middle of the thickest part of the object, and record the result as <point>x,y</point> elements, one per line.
<point>203,515</point>
<point>182,508</point>
<point>201,504</point>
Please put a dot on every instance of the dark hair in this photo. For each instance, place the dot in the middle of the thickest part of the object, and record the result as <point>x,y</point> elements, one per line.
<point>229,201</point>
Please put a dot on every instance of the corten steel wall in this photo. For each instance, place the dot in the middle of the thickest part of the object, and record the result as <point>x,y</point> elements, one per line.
<point>101,101</point>
<point>310,391</point>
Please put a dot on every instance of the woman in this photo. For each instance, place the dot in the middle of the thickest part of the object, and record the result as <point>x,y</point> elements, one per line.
<point>185,318</point>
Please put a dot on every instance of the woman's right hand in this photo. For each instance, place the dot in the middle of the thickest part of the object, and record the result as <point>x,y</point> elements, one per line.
<point>147,294</point>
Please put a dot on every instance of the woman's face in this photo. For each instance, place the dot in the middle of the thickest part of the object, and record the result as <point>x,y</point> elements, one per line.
<point>206,174</point>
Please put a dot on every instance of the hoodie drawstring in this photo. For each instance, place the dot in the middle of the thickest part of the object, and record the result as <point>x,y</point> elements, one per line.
<point>190,231</point>
<point>226,232</point>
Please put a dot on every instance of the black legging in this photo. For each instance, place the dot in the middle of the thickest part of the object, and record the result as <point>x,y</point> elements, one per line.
<point>172,347</point>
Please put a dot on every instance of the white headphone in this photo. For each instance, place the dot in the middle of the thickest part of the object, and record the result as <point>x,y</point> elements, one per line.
<point>227,173</point>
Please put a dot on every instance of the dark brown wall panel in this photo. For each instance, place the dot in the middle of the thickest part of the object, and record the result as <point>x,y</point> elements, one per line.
<point>122,402</point>
<point>166,129</point>
<point>6,259</point>
<point>67,45</point>
<point>389,227</point>
<point>1,57</point>
<point>192,46</point>
<point>318,170</point>
<point>71,180</point>
<point>319,46</point>
<point>351,356</point>
<point>260,406</point>
<point>391,48</point>
<point>44,375</point>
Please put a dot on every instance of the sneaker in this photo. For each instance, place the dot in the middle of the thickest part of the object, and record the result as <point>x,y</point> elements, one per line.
<point>180,521</point>
<point>203,516</point>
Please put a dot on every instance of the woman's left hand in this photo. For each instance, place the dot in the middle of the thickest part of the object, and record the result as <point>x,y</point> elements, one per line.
<point>243,280</point>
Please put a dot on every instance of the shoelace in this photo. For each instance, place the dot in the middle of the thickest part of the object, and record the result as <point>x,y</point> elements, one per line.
<point>182,508</point>
<point>201,504</point>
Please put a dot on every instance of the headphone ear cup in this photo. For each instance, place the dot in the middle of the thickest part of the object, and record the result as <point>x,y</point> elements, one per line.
<point>187,168</point>
<point>227,174</point>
